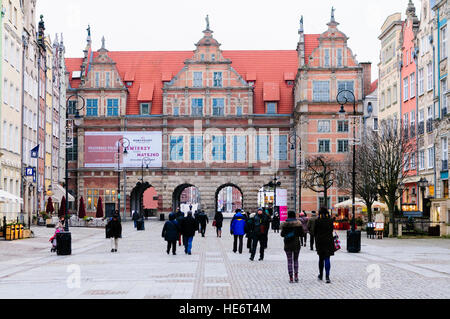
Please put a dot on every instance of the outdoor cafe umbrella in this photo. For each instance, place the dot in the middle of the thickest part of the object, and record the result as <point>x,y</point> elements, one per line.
<point>82,209</point>
<point>348,203</point>
<point>62,208</point>
<point>50,209</point>
<point>99,208</point>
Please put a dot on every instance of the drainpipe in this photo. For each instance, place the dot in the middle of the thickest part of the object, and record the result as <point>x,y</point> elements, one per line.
<point>22,179</point>
<point>1,74</point>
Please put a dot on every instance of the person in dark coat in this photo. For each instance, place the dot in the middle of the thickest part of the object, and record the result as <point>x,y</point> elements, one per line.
<point>170,233</point>
<point>237,229</point>
<point>188,228</point>
<point>304,220</point>
<point>179,218</point>
<point>310,225</point>
<point>323,232</point>
<point>114,231</point>
<point>218,219</point>
<point>291,231</point>
<point>258,228</point>
<point>276,223</point>
<point>203,220</point>
<point>135,218</point>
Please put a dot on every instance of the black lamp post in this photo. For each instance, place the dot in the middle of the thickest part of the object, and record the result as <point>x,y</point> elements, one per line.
<point>295,142</point>
<point>274,184</point>
<point>423,184</point>
<point>124,143</point>
<point>353,235</point>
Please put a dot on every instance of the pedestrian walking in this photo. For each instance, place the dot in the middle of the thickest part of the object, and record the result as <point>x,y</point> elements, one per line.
<point>218,223</point>
<point>323,230</point>
<point>179,218</point>
<point>188,228</point>
<point>203,221</point>
<point>114,231</point>
<point>237,229</point>
<point>304,221</point>
<point>276,223</point>
<point>259,226</point>
<point>135,217</point>
<point>248,234</point>
<point>170,233</point>
<point>291,231</point>
<point>310,225</point>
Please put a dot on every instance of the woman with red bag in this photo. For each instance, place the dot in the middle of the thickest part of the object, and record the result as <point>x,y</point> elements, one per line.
<point>323,232</point>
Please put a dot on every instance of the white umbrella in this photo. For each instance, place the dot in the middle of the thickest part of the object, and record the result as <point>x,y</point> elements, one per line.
<point>348,203</point>
<point>6,197</point>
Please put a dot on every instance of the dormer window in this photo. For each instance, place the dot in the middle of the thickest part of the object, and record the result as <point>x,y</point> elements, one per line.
<point>251,83</point>
<point>290,83</point>
<point>271,108</point>
<point>213,57</point>
<point>129,84</point>
<point>146,108</point>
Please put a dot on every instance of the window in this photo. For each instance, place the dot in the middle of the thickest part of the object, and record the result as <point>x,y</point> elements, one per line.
<point>375,124</point>
<point>394,94</point>
<point>219,148</point>
<point>421,82</point>
<point>262,147</point>
<point>431,157</point>
<point>176,111</point>
<point>444,147</point>
<point>218,107</point>
<point>383,101</point>
<point>176,148</point>
<point>113,107</point>
<point>240,148</point>
<point>92,199</point>
<point>412,78</point>
<point>271,108</point>
<point>323,126</point>
<point>430,119</point>
<point>342,126</point>
<point>108,79</point>
<point>239,110</point>
<point>198,79</point>
<point>324,146</point>
<point>342,146</point>
<point>92,107</point>
<point>413,123</point>
<point>413,161</point>
<point>322,202</point>
<point>72,107</point>
<point>213,57</point>
<point>326,61</point>
<point>388,96</point>
<point>421,160</point>
<point>281,152</point>
<point>421,122</point>
<point>217,79</point>
<point>430,75</point>
<point>110,196</point>
<point>406,162</point>
<point>346,85</point>
<point>405,89</point>
<point>5,91</point>
<point>339,58</point>
<point>145,109</point>
<point>196,148</point>
<point>97,79</point>
<point>444,42</point>
<point>444,96</point>
<point>321,91</point>
<point>197,107</point>
<point>72,153</point>
<point>6,49</point>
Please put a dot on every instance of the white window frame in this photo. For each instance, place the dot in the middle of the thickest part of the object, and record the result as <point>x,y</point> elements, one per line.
<point>323,126</point>
<point>412,81</point>
<point>430,75</point>
<point>421,160</point>
<point>431,157</point>
<point>421,82</point>
<point>405,89</point>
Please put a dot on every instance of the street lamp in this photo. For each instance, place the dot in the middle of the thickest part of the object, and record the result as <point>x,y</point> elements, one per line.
<point>145,161</point>
<point>353,235</point>
<point>295,142</point>
<point>274,183</point>
<point>423,184</point>
<point>124,143</point>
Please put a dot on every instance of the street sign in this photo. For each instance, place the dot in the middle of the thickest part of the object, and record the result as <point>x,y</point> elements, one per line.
<point>35,152</point>
<point>29,171</point>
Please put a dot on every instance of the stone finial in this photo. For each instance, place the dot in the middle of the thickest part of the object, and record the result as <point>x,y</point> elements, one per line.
<point>301,25</point>
<point>103,43</point>
<point>332,14</point>
<point>207,22</point>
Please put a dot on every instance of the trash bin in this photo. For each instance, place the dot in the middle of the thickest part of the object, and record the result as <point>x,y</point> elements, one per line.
<point>9,233</point>
<point>63,243</point>
<point>162,217</point>
<point>354,241</point>
<point>20,231</point>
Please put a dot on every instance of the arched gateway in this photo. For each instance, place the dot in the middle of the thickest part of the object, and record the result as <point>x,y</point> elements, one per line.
<point>186,197</point>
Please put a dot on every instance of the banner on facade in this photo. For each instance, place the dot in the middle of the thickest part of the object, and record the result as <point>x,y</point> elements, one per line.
<point>281,197</point>
<point>106,149</point>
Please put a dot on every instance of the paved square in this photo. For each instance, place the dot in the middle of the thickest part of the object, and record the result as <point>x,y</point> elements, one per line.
<point>408,268</point>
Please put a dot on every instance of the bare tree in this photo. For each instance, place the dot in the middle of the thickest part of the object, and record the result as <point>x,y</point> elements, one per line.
<point>390,152</point>
<point>320,175</point>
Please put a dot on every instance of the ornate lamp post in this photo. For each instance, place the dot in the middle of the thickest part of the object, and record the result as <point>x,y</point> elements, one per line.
<point>274,184</point>
<point>295,142</point>
<point>353,235</point>
<point>121,143</point>
<point>423,184</point>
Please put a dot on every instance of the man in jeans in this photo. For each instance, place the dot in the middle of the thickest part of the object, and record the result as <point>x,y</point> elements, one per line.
<point>188,228</point>
<point>259,226</point>
<point>237,230</point>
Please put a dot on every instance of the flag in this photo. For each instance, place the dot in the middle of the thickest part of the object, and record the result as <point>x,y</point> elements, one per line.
<point>35,152</point>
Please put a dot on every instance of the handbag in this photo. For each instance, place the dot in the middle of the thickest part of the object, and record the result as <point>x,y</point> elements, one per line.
<point>337,242</point>
<point>214,223</point>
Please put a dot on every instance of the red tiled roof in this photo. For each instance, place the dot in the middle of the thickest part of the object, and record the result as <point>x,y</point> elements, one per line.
<point>146,92</point>
<point>271,91</point>
<point>74,64</point>
<point>149,67</point>
<point>373,86</point>
<point>251,76</point>
<point>167,76</point>
<point>311,43</point>
<point>289,76</point>
<point>129,76</point>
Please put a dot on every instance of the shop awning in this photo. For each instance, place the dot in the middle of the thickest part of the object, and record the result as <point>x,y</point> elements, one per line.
<point>9,198</point>
<point>59,192</point>
<point>271,92</point>
<point>146,92</point>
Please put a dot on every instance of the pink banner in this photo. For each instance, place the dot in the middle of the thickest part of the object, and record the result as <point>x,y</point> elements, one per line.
<point>283,213</point>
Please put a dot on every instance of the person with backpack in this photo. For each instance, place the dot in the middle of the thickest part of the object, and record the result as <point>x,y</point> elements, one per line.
<point>170,233</point>
<point>291,231</point>
<point>323,231</point>
<point>188,228</point>
<point>237,229</point>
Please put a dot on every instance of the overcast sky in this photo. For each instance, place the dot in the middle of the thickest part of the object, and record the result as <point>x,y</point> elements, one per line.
<point>149,25</point>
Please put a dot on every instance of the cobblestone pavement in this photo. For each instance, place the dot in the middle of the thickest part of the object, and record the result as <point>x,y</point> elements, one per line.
<point>408,268</point>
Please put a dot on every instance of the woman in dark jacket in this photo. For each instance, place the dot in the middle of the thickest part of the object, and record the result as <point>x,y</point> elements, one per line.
<point>291,231</point>
<point>218,218</point>
<point>114,231</point>
<point>276,223</point>
<point>170,233</point>
<point>323,232</point>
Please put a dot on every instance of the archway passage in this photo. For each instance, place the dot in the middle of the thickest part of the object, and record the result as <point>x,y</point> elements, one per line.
<point>186,197</point>
<point>137,201</point>
<point>229,197</point>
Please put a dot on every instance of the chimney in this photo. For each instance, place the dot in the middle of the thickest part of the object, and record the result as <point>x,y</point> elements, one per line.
<point>367,77</point>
